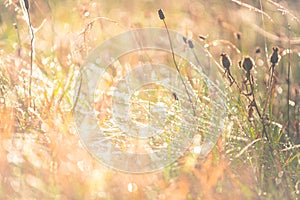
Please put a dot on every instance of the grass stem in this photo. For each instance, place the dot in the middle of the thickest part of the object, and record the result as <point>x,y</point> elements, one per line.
<point>176,65</point>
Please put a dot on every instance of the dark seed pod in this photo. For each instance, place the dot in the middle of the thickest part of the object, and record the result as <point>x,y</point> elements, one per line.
<point>191,45</point>
<point>202,37</point>
<point>274,58</point>
<point>225,60</point>
<point>175,96</point>
<point>237,35</point>
<point>257,50</point>
<point>247,63</point>
<point>26,4</point>
<point>184,39</point>
<point>161,14</point>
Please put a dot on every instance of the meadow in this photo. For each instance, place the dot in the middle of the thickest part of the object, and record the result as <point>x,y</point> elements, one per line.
<point>254,43</point>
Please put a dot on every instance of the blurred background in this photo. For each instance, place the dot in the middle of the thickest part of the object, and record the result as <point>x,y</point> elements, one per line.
<point>40,152</point>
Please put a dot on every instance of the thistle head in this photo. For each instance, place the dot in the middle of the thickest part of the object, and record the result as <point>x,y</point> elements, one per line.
<point>225,60</point>
<point>247,63</point>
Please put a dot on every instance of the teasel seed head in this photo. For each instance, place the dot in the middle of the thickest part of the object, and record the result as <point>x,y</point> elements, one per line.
<point>274,57</point>
<point>161,14</point>
<point>247,63</point>
<point>225,60</point>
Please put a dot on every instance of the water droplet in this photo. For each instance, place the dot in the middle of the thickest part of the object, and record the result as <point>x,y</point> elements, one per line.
<point>292,103</point>
<point>132,187</point>
<point>15,157</point>
<point>278,181</point>
<point>197,149</point>
<point>259,192</point>
<point>80,165</point>
<point>2,100</point>
<point>86,13</point>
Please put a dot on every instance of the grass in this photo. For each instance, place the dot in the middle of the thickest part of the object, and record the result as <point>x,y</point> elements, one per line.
<point>257,156</point>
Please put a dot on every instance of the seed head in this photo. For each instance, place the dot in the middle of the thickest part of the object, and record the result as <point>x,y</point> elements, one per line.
<point>202,37</point>
<point>257,50</point>
<point>191,45</point>
<point>274,58</point>
<point>26,4</point>
<point>247,63</point>
<point>161,14</point>
<point>175,96</point>
<point>225,60</point>
<point>237,35</point>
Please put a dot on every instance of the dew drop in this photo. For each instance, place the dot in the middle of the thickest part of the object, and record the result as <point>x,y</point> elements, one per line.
<point>2,100</point>
<point>86,13</point>
<point>132,187</point>
<point>280,174</point>
<point>197,149</point>
<point>15,157</point>
<point>278,181</point>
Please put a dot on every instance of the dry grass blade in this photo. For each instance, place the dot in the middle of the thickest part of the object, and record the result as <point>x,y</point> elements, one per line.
<point>25,6</point>
<point>90,24</point>
<point>246,147</point>
<point>252,9</point>
<point>162,17</point>
<point>255,159</point>
<point>222,42</point>
<point>289,83</point>
<point>284,10</point>
<point>275,38</point>
<point>291,148</point>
